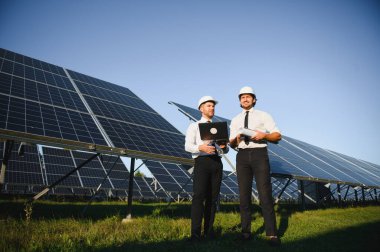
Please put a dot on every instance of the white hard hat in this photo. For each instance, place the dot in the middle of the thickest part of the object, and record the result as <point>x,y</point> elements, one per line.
<point>246,90</point>
<point>206,99</point>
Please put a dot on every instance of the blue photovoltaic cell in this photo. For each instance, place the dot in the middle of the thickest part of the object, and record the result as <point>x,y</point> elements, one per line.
<point>143,187</point>
<point>310,164</point>
<point>41,99</point>
<point>128,121</point>
<point>40,119</point>
<point>291,191</point>
<point>58,163</point>
<point>148,140</point>
<point>229,186</point>
<point>25,170</point>
<point>362,168</point>
<point>116,102</point>
<point>101,84</point>
<point>156,188</point>
<point>346,171</point>
<point>38,98</point>
<point>93,173</point>
<point>171,177</point>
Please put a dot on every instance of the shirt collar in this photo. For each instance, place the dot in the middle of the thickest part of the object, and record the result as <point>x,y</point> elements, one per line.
<point>205,120</point>
<point>250,110</point>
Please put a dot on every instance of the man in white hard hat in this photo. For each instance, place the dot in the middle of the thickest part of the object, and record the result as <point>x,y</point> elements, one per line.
<point>249,132</point>
<point>208,171</point>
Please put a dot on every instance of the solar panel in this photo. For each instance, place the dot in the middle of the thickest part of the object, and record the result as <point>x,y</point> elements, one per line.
<point>38,98</point>
<point>345,171</point>
<point>25,170</point>
<point>173,178</point>
<point>129,121</point>
<point>290,192</point>
<point>144,188</point>
<point>363,168</point>
<point>49,103</point>
<point>300,160</point>
<point>58,163</point>
<point>93,173</point>
<point>229,187</point>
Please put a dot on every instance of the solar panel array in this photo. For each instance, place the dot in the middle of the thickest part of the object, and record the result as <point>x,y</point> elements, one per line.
<point>37,169</point>
<point>38,98</point>
<point>229,187</point>
<point>129,121</point>
<point>42,99</point>
<point>94,173</point>
<point>47,100</point>
<point>300,160</point>
<point>26,170</point>
<point>173,178</point>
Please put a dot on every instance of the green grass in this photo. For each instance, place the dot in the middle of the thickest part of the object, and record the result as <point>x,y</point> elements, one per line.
<point>155,227</point>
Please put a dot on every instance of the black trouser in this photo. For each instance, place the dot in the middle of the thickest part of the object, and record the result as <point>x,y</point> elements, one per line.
<point>208,171</point>
<point>249,163</point>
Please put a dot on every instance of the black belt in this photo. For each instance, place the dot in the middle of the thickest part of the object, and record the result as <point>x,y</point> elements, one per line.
<point>209,156</point>
<point>251,149</point>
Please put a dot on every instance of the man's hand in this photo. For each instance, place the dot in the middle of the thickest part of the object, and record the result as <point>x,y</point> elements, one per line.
<point>209,149</point>
<point>259,136</point>
<point>235,142</point>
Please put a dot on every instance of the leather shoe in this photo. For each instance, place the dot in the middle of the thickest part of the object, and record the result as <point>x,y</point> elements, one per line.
<point>245,237</point>
<point>194,239</point>
<point>274,241</point>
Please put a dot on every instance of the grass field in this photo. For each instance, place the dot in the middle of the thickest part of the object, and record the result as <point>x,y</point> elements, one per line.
<point>61,226</point>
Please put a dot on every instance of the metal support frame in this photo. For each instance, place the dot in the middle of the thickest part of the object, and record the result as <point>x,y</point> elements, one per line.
<point>181,189</point>
<point>345,195</point>
<point>48,188</point>
<point>8,145</point>
<point>130,188</point>
<point>370,194</point>
<point>331,193</point>
<point>99,186</point>
<point>302,195</point>
<point>356,195</point>
<point>282,191</point>
<point>363,194</point>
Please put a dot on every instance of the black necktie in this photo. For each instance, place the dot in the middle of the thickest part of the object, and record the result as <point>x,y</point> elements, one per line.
<point>246,138</point>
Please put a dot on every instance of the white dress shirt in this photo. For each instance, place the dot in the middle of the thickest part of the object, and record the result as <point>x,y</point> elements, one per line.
<point>257,120</point>
<point>193,139</point>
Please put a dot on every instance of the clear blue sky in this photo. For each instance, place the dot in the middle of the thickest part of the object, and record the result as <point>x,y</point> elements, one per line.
<point>315,65</point>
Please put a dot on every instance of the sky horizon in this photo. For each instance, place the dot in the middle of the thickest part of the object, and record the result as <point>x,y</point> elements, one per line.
<point>313,64</point>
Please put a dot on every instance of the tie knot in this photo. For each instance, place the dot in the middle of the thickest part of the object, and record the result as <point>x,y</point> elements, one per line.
<point>208,121</point>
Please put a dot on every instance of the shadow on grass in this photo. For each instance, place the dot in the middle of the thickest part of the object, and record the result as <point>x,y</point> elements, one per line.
<point>360,238</point>
<point>96,211</point>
